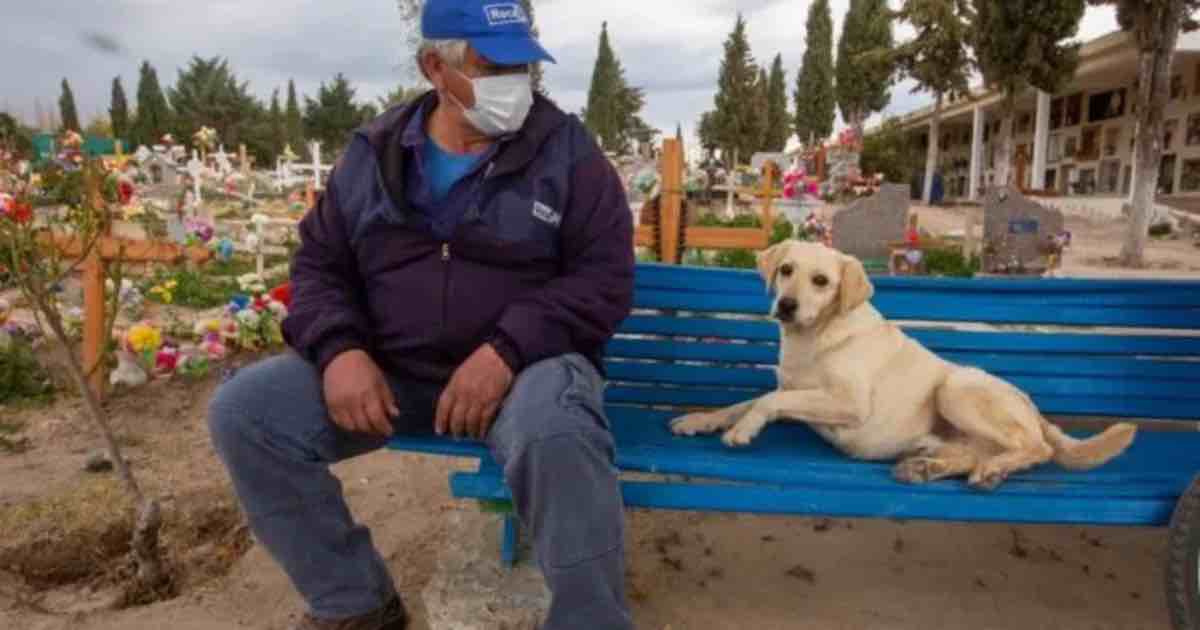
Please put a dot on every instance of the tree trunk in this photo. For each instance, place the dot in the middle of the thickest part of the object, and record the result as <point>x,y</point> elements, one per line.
<point>144,545</point>
<point>1004,149</point>
<point>1157,32</point>
<point>931,157</point>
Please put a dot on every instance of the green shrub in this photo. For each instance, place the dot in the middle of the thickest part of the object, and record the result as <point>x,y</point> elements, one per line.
<point>951,262</point>
<point>22,378</point>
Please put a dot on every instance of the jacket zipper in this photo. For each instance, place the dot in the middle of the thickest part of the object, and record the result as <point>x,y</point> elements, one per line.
<point>445,285</point>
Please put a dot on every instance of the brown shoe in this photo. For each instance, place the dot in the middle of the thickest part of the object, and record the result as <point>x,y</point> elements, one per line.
<point>392,616</point>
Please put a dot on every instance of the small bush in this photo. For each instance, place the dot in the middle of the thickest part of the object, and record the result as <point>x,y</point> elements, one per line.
<point>951,262</point>
<point>22,378</point>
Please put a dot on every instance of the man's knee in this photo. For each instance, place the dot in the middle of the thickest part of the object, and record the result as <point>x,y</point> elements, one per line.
<point>558,397</point>
<point>252,394</point>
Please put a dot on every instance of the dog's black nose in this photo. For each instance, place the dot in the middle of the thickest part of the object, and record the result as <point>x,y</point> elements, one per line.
<point>785,309</point>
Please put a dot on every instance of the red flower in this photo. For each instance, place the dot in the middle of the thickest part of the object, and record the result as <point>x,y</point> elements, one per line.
<point>124,192</point>
<point>20,212</point>
<point>283,294</point>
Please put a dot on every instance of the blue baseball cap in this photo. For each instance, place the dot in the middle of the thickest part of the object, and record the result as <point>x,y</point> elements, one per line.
<point>496,29</point>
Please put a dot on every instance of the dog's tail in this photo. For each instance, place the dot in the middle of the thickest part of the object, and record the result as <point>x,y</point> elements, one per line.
<point>1093,452</point>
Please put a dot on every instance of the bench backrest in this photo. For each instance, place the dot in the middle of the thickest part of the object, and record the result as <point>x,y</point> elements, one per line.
<point>1115,348</point>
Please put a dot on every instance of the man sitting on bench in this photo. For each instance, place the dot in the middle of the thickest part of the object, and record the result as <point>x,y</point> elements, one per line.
<point>469,260</point>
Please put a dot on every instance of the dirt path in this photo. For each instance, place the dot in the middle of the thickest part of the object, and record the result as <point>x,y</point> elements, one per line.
<point>685,570</point>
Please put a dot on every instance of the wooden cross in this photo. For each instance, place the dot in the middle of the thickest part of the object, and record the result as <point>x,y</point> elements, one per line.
<point>671,205</point>
<point>109,248</point>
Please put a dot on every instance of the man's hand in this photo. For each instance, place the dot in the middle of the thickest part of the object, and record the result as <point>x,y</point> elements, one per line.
<point>470,402</point>
<point>358,396</point>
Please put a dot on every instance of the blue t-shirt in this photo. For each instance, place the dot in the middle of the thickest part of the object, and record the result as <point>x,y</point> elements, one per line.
<point>443,169</point>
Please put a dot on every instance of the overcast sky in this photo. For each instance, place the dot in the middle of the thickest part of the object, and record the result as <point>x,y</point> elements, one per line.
<point>670,48</point>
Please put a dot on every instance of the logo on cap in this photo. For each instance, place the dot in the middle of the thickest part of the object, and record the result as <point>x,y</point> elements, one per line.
<point>504,13</point>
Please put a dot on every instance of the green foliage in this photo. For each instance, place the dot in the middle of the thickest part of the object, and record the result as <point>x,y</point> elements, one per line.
<point>208,94</point>
<point>937,58</point>
<point>22,378</point>
<point>891,151</point>
<point>778,125</point>
<point>333,115</point>
<point>707,130</point>
<point>613,108</point>
<point>153,117</point>
<point>278,125</point>
<point>66,109</point>
<point>14,136</point>
<point>193,288</point>
<point>950,262</point>
<point>815,98</point>
<point>760,106</point>
<point>733,121</point>
<point>294,119</point>
<point>60,186</point>
<point>1019,43</point>
<point>118,112</point>
<point>863,83</point>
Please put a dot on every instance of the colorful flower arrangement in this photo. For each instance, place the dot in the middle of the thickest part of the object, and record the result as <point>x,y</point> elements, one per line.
<point>197,233</point>
<point>249,324</point>
<point>13,210</point>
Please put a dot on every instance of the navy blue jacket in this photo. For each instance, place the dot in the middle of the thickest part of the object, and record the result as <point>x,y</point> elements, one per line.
<point>539,264</point>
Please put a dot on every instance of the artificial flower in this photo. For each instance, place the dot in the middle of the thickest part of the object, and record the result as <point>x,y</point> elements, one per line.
<point>143,338</point>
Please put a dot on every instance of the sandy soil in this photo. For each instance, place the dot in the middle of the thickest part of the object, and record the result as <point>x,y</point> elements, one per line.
<point>686,571</point>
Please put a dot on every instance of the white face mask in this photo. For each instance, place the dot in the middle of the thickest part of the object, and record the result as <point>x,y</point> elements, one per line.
<point>501,103</point>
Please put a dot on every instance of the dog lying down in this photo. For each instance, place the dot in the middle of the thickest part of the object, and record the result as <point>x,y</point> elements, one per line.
<point>877,394</point>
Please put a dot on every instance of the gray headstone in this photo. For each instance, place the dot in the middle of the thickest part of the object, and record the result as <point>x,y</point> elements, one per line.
<point>865,228</point>
<point>1016,231</point>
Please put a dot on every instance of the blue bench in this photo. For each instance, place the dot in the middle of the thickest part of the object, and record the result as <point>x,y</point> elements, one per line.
<point>699,338</point>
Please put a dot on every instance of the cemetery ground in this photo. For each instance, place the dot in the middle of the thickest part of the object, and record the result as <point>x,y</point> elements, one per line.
<point>65,531</point>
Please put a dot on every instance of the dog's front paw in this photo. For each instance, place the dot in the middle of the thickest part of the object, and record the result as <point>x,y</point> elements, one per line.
<point>697,424</point>
<point>743,433</point>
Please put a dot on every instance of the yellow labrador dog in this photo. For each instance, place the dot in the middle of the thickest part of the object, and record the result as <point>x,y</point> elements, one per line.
<point>876,394</point>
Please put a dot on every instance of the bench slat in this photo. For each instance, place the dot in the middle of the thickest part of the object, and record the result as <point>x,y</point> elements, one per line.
<point>712,280</point>
<point>1055,405</point>
<point>1003,364</point>
<point>762,378</point>
<point>853,503</point>
<point>966,307</point>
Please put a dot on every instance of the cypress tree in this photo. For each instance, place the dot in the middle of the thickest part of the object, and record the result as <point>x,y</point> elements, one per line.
<point>734,115</point>
<point>778,125</point>
<point>816,102</point>
<point>153,114</point>
<point>294,120</point>
<point>118,112</point>
<point>66,109</point>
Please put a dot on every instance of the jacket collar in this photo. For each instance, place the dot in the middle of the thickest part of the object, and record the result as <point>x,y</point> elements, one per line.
<point>389,134</point>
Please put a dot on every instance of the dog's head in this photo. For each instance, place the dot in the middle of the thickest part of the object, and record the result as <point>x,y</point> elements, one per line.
<point>812,283</point>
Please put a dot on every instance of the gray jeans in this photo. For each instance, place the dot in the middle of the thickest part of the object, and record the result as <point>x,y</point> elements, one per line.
<point>270,428</point>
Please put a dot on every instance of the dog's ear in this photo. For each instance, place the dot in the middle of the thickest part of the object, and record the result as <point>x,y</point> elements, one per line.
<point>856,288</point>
<point>768,262</point>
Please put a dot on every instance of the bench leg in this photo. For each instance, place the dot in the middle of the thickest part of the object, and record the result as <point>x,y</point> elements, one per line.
<point>511,541</point>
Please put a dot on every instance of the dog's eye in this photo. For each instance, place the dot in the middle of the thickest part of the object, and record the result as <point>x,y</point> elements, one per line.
<point>786,271</point>
<point>820,280</point>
